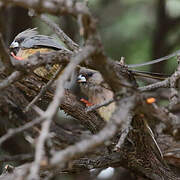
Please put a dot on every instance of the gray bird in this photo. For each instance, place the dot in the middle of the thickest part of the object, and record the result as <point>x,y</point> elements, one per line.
<point>30,42</point>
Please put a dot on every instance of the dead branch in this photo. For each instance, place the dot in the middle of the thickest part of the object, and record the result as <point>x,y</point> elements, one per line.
<point>138,144</point>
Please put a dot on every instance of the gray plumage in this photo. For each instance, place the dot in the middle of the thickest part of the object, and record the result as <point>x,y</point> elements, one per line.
<point>26,33</point>
<point>42,41</point>
<point>31,39</point>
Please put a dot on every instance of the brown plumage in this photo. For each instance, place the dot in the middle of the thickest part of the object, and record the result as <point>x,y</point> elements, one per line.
<point>93,86</point>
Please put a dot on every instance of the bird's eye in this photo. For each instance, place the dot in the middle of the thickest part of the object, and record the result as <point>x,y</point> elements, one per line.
<point>14,44</point>
<point>89,74</point>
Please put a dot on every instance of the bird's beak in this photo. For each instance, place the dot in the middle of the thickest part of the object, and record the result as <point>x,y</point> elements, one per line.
<point>81,79</point>
<point>14,45</point>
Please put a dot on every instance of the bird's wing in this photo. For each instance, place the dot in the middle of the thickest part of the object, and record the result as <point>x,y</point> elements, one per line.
<point>43,41</point>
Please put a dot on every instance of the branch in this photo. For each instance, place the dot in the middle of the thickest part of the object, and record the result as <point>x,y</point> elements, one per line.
<point>44,89</point>
<point>5,58</point>
<point>68,41</point>
<point>162,84</point>
<point>21,157</point>
<point>16,75</point>
<point>12,132</point>
<point>173,84</point>
<point>97,106</point>
<point>51,7</point>
<point>42,59</point>
<point>120,116</point>
<point>53,107</point>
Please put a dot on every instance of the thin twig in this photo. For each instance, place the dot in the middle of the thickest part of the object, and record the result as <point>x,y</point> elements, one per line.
<point>39,150</point>
<point>174,98</point>
<point>44,89</point>
<point>124,134</point>
<point>118,118</point>
<point>162,84</point>
<point>68,41</point>
<point>53,107</point>
<point>155,60</point>
<point>19,157</point>
<point>12,132</point>
<point>97,106</point>
<point>5,58</point>
<point>16,75</point>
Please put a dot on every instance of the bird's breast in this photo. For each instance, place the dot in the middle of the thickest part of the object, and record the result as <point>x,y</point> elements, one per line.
<point>45,72</point>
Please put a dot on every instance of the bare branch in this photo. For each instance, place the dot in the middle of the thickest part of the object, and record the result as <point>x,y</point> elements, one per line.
<point>5,56</point>
<point>173,84</point>
<point>53,107</point>
<point>16,75</point>
<point>69,42</point>
<point>107,132</point>
<point>97,106</point>
<point>12,132</point>
<point>21,157</point>
<point>162,84</point>
<point>42,59</point>
<point>44,89</point>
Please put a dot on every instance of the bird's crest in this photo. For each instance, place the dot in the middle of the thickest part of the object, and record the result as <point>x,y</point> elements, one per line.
<point>27,33</point>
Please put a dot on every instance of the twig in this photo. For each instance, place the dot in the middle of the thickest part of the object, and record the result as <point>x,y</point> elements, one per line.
<point>10,79</point>
<point>97,106</point>
<point>44,89</point>
<point>5,56</point>
<point>173,84</point>
<point>39,150</point>
<point>52,108</point>
<point>174,93</point>
<point>42,59</point>
<point>85,53</point>
<point>162,84</point>
<point>124,134</point>
<point>12,132</point>
<point>155,61</point>
<point>68,41</point>
<point>21,157</point>
<point>118,118</point>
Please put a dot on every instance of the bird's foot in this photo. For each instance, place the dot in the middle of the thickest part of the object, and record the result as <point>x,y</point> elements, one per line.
<point>87,103</point>
<point>16,57</point>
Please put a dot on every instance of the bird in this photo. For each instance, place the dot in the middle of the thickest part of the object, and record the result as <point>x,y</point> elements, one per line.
<point>97,91</point>
<point>93,86</point>
<point>29,42</point>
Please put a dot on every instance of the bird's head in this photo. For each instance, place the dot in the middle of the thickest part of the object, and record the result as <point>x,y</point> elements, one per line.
<point>88,76</point>
<point>90,82</point>
<point>16,44</point>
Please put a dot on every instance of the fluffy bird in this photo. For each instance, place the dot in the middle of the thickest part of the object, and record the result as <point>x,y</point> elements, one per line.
<point>30,42</point>
<point>97,91</point>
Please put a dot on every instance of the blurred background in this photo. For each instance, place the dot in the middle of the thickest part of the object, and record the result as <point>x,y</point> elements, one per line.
<point>138,30</point>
